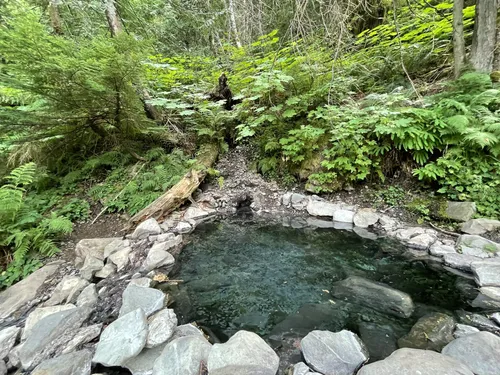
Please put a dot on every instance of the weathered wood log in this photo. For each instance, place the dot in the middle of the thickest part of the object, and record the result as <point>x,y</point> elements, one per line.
<point>181,191</point>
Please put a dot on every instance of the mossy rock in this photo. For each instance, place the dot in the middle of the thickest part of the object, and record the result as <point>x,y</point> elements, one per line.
<point>495,77</point>
<point>314,186</point>
<point>310,166</point>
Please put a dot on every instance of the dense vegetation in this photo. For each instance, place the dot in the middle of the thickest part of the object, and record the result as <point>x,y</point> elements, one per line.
<point>105,105</point>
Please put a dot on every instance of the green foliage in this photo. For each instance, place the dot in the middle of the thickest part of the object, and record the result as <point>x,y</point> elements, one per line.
<point>393,196</point>
<point>23,230</point>
<point>76,209</point>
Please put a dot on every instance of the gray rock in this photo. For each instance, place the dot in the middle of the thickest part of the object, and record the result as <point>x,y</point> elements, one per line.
<point>146,228</point>
<point>478,321</point>
<point>301,369</point>
<point>183,356</point>
<point>408,233</point>
<point>166,237</point>
<point>243,349</point>
<point>479,351</point>
<point>377,296</point>
<point>158,256</point>
<point>439,250</point>
<point>115,246</point>
<point>487,273</point>
<point>195,213</point>
<point>480,226</point>
<point>343,226</point>
<point>67,290</point>
<point>161,327</point>
<point>122,340</point>
<point>14,360</point>
<point>183,227</point>
<point>496,318</point>
<point>148,299</point>
<point>298,222</point>
<point>482,247</point>
<point>321,208</point>
<point>14,297</point>
<point>88,296</point>
<point>422,241</point>
<point>8,337</point>
<point>416,361</point>
<point>77,363</point>
<point>106,271</point>
<point>90,267</point>
<point>50,335</point>
<point>365,233</point>
<point>81,337</point>
<point>460,211</point>
<point>143,363</point>
<point>459,261</point>
<point>343,216</point>
<point>299,201</point>
<point>121,258</point>
<point>38,314</point>
<point>185,330</point>
<point>464,330</point>
<point>242,370</point>
<point>329,353</point>
<point>141,281</point>
<point>387,223</point>
<point>488,298</point>
<point>3,368</point>
<point>286,199</point>
<point>365,217</point>
<point>318,223</point>
<point>93,247</point>
<point>380,340</point>
<point>431,332</point>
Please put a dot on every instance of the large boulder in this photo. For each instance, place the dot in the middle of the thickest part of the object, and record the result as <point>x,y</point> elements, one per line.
<point>39,313</point>
<point>243,349</point>
<point>460,211</point>
<point>148,299</point>
<point>478,321</point>
<point>479,351</point>
<point>88,296</point>
<point>120,258</point>
<point>8,337</point>
<point>480,226</point>
<point>477,246</point>
<point>24,291</point>
<point>380,340</point>
<point>67,291</point>
<point>183,356</point>
<point>147,228</point>
<point>341,353</point>
<point>143,363</point>
<point>115,246</point>
<point>344,216</point>
<point>123,339</point>
<point>365,218</point>
<point>416,362</point>
<point>321,208</point>
<point>488,298</point>
<point>77,363</point>
<point>464,330</point>
<point>431,332</point>
<point>377,296</point>
<point>487,272</point>
<point>91,247</point>
<point>459,261</point>
<point>161,327</point>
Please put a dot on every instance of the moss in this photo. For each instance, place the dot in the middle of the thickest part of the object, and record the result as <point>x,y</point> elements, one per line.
<point>495,76</point>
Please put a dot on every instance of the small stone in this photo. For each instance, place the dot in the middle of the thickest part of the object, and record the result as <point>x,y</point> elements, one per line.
<point>158,257</point>
<point>431,332</point>
<point>148,299</point>
<point>122,340</point>
<point>343,216</point>
<point>166,237</point>
<point>90,267</point>
<point>88,296</point>
<point>161,327</point>
<point>39,313</point>
<point>77,363</point>
<point>286,199</point>
<point>146,228</point>
<point>365,217</point>
<point>145,282</point>
<point>115,246</point>
<point>8,337</point>
<point>67,290</point>
<point>480,226</point>
<point>464,330</point>
<point>460,211</point>
<point>321,208</point>
<point>106,271</point>
<point>120,258</point>
<point>183,227</point>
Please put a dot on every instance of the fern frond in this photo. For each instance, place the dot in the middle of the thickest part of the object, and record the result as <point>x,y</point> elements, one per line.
<point>481,139</point>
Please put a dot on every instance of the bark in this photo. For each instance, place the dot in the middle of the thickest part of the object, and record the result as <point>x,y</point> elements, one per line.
<point>115,25</point>
<point>484,37</point>
<point>55,17</point>
<point>496,61</point>
<point>181,191</point>
<point>458,37</point>
<point>232,19</point>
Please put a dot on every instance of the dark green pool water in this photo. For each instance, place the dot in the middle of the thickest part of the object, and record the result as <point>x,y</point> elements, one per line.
<point>275,280</point>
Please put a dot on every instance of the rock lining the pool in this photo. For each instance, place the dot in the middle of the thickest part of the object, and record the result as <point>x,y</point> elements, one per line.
<point>107,308</point>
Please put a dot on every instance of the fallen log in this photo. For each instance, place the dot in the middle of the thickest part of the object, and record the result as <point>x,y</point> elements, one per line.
<point>181,191</point>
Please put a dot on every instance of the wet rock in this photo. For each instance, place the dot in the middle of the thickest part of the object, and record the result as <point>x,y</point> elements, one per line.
<point>488,298</point>
<point>377,296</point>
<point>158,256</point>
<point>329,353</point>
<point>380,340</point>
<point>422,241</point>
<point>148,299</point>
<point>38,314</point>
<point>183,356</point>
<point>343,216</point>
<point>302,369</point>
<point>120,258</point>
<point>318,223</point>
<point>50,335</point>
<point>195,213</point>
<point>106,271</point>
<point>243,349</point>
<point>321,208</point>
<point>365,218</point>
<point>143,363</point>
<point>496,318</point>
<point>464,330</point>
<point>146,228</point>
<point>459,261</point>
<point>90,267</point>
<point>487,273</point>
<point>14,297</point>
<point>91,247</point>
<point>183,227</point>
<point>416,361</point>
<point>365,233</point>
<point>467,288</point>
<point>439,250</point>
<point>298,222</point>
<point>88,296</point>
<point>161,327</point>
<point>141,281</point>
<point>478,321</point>
<point>299,201</point>
<point>115,246</point>
<point>242,370</point>
<point>8,337</point>
<point>81,337</point>
<point>122,340</point>
<point>480,226</point>
<point>479,351</point>
<point>3,368</point>
<point>431,332</point>
<point>185,330</point>
<point>77,363</point>
<point>460,211</point>
<point>477,246</point>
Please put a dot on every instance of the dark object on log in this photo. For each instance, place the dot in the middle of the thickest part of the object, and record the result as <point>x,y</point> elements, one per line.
<point>224,93</point>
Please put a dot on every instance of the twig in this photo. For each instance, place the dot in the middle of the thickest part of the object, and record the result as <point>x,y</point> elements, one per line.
<point>445,231</point>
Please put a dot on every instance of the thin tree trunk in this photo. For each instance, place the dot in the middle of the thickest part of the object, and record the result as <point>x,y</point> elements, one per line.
<point>496,61</point>
<point>458,36</point>
<point>55,17</point>
<point>484,37</point>
<point>232,20</point>
<point>115,25</point>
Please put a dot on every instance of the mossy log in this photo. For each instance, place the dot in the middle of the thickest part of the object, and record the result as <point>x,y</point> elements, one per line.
<point>181,191</point>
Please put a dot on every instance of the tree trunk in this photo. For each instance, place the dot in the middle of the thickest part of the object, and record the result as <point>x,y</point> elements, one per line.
<point>458,36</point>
<point>484,37</point>
<point>115,25</point>
<point>181,191</point>
<point>232,19</point>
<point>496,61</point>
<point>55,17</point>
